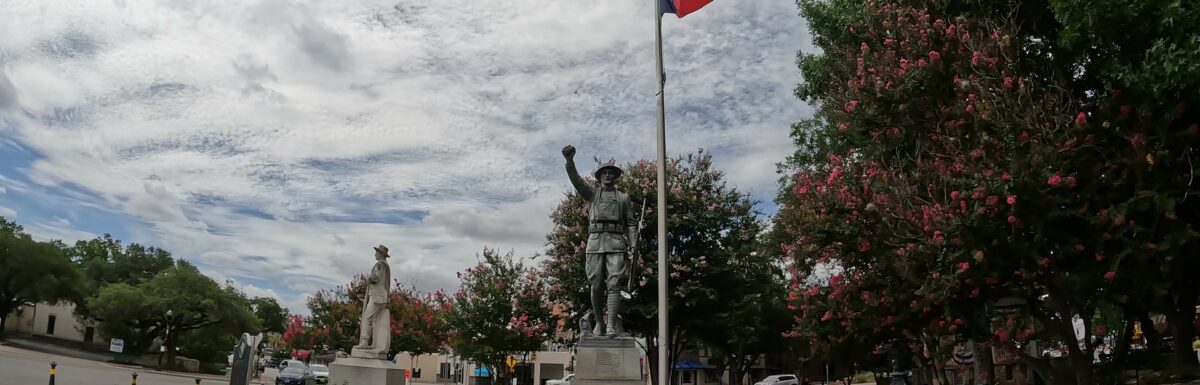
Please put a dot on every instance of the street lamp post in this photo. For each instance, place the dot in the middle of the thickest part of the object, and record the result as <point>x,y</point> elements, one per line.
<point>166,337</point>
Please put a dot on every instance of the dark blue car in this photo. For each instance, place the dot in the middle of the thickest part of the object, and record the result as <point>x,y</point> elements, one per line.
<point>295,374</point>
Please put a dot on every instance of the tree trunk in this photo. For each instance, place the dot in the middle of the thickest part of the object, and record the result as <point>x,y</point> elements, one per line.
<point>1182,321</point>
<point>169,343</point>
<point>1126,338</point>
<point>989,366</point>
<point>3,322</point>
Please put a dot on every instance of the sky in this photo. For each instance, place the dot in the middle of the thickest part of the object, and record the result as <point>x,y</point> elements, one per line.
<point>273,143</point>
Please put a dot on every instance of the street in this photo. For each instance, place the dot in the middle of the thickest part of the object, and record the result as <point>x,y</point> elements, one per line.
<point>23,367</point>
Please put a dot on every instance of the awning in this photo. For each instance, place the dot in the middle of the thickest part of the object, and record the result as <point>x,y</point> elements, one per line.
<point>482,372</point>
<point>690,364</point>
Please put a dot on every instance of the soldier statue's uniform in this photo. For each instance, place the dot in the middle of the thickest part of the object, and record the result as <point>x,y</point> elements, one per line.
<point>611,227</point>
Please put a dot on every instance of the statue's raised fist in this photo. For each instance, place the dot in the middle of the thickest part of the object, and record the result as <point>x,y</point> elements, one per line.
<point>569,152</point>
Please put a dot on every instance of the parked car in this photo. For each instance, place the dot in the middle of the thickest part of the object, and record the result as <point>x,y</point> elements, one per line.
<point>288,363</point>
<point>779,379</point>
<point>295,374</point>
<point>320,373</point>
<point>564,381</point>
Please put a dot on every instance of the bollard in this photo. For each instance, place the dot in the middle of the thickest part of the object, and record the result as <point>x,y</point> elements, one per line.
<point>134,380</point>
<point>197,381</point>
<point>53,371</point>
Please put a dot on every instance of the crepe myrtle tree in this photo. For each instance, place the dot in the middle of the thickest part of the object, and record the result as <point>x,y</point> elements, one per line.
<point>419,321</point>
<point>501,309</point>
<point>946,161</point>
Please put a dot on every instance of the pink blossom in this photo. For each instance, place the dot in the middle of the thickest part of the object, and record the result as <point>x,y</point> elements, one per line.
<point>1054,180</point>
<point>963,266</point>
<point>1008,83</point>
<point>1099,257</point>
<point>954,195</point>
<point>1080,119</point>
<point>934,56</point>
<point>1110,276</point>
<point>1012,200</point>
<point>827,316</point>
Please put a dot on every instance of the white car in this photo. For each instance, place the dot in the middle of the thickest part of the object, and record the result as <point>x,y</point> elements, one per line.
<point>320,373</point>
<point>779,379</point>
<point>564,381</point>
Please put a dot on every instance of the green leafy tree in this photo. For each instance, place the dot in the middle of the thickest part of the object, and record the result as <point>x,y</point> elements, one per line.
<point>271,316</point>
<point>105,261</point>
<point>713,231</point>
<point>209,344</point>
<point>32,271</point>
<point>170,305</point>
<point>500,310</point>
<point>754,318</point>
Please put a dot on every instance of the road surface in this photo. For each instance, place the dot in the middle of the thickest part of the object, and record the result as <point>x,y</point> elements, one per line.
<point>25,367</point>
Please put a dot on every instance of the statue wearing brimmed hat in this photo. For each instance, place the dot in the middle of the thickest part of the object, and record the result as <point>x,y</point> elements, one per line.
<point>611,228</point>
<point>374,338</point>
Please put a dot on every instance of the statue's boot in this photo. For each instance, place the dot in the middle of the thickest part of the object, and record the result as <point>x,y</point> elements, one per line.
<point>613,316</point>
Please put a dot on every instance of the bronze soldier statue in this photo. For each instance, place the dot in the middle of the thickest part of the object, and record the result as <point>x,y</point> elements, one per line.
<point>611,227</point>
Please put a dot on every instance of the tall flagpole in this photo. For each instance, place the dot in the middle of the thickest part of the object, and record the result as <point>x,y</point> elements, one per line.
<point>663,337</point>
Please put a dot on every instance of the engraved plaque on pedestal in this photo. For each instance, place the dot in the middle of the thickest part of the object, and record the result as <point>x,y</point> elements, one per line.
<point>607,361</point>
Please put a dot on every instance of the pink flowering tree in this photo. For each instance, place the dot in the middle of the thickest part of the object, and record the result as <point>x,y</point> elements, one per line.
<point>299,335</point>
<point>337,313</point>
<point>714,271</point>
<point>501,309</point>
<point>957,181</point>
<point>419,324</point>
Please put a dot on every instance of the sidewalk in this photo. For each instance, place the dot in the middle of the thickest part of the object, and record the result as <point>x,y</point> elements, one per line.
<point>56,349</point>
<point>106,359</point>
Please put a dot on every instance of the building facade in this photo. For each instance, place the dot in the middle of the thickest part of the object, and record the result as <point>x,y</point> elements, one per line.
<point>52,320</point>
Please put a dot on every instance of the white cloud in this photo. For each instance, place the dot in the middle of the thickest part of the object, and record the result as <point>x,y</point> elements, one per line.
<point>7,212</point>
<point>280,140</point>
<point>57,229</point>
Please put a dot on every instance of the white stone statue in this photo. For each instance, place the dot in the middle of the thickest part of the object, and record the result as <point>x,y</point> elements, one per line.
<point>374,336</point>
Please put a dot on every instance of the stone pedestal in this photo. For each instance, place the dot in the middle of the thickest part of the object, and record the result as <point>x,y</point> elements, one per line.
<point>608,361</point>
<point>364,371</point>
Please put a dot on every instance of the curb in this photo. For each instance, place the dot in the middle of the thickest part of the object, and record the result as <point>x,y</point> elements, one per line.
<point>211,377</point>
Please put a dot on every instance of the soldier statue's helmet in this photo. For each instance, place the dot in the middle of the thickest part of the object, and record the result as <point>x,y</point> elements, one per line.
<point>382,249</point>
<point>609,166</point>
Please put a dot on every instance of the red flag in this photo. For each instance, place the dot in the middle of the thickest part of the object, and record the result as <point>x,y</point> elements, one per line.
<point>682,8</point>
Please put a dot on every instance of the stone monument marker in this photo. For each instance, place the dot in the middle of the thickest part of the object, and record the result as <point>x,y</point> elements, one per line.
<point>606,355</point>
<point>368,364</point>
<point>239,374</point>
